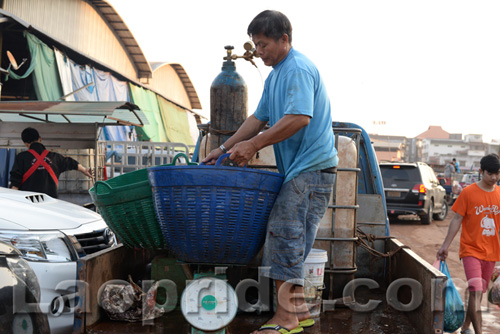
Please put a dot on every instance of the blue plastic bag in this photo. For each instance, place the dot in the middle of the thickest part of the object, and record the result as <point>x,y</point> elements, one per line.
<point>454,310</point>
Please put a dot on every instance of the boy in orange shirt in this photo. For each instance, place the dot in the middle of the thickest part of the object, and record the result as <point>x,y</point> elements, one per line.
<point>477,211</point>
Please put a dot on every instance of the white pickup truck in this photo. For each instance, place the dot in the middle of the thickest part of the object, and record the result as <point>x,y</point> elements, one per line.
<point>52,235</point>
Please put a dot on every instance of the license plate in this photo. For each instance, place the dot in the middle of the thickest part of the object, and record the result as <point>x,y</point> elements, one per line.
<point>393,194</point>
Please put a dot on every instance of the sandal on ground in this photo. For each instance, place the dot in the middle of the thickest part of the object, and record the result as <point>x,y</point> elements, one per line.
<point>466,331</point>
<point>281,329</point>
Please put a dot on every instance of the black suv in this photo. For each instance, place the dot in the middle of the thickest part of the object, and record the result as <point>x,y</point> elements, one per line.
<point>413,188</point>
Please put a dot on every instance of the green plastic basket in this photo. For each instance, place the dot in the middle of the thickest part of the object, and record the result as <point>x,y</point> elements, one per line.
<point>126,204</point>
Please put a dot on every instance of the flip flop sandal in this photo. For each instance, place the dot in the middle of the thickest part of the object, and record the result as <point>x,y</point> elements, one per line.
<point>307,323</point>
<point>281,329</point>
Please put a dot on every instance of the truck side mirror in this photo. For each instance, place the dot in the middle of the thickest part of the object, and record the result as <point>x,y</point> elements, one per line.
<point>442,182</point>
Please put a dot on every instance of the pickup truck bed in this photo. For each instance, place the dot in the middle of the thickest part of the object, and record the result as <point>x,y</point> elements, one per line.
<point>383,320</point>
<point>117,263</point>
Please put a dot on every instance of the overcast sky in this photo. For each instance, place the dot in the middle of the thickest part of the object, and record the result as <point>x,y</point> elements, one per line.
<point>394,67</point>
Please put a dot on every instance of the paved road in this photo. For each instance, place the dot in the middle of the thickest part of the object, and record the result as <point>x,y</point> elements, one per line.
<point>426,240</point>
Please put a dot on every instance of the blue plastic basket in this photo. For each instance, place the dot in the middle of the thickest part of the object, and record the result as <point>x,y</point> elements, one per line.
<point>213,214</point>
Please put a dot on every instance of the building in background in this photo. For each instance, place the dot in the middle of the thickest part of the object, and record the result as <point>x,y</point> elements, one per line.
<point>389,148</point>
<point>435,147</point>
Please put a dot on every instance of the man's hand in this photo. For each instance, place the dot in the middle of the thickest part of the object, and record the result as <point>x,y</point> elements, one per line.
<point>212,157</point>
<point>453,228</point>
<point>250,128</point>
<point>89,172</point>
<point>86,171</point>
<point>242,152</point>
<point>442,254</point>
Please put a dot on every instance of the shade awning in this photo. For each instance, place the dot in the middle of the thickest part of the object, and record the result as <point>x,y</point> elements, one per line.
<point>101,113</point>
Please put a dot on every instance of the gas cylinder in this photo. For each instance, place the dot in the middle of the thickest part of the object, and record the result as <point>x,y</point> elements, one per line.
<point>228,102</point>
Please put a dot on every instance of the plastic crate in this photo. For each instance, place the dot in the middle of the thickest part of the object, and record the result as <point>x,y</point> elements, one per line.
<point>126,204</point>
<point>213,214</point>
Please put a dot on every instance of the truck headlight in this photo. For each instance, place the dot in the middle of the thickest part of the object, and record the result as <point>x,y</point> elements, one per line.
<point>40,246</point>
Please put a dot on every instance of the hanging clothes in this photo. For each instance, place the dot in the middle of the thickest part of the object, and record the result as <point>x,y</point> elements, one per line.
<point>147,101</point>
<point>81,76</point>
<point>176,122</point>
<point>64,69</point>
<point>43,65</point>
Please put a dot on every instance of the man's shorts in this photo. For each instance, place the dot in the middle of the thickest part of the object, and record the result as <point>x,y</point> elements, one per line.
<point>478,273</point>
<point>293,223</point>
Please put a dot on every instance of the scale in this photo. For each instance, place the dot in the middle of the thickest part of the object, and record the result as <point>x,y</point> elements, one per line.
<point>22,324</point>
<point>209,304</point>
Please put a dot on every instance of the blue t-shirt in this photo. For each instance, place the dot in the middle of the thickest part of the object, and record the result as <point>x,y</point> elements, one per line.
<point>294,87</point>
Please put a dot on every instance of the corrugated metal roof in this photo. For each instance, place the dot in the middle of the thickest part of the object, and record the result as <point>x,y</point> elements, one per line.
<point>117,25</point>
<point>124,33</point>
<point>102,113</point>
<point>186,82</point>
<point>188,85</point>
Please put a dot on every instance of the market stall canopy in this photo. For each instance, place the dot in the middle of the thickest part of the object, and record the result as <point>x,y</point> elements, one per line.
<point>64,124</point>
<point>102,113</point>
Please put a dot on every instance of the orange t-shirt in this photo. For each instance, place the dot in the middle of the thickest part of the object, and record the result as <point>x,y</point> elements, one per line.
<point>481,222</point>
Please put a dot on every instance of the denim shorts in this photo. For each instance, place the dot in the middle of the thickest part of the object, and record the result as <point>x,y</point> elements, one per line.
<point>293,223</point>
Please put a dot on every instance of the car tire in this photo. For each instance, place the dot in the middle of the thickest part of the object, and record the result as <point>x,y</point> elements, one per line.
<point>427,219</point>
<point>449,200</point>
<point>392,218</point>
<point>444,211</point>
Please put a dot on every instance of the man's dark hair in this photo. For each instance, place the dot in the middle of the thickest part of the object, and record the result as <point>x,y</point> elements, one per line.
<point>490,163</point>
<point>271,23</point>
<point>30,135</point>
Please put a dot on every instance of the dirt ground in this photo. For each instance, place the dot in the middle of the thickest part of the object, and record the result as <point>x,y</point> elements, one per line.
<point>426,240</point>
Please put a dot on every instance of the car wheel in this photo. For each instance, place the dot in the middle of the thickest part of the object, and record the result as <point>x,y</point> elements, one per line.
<point>449,200</point>
<point>444,212</point>
<point>427,219</point>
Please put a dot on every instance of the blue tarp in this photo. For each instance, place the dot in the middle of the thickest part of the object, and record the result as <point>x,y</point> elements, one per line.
<point>6,161</point>
<point>111,89</point>
<point>81,76</point>
<point>104,87</point>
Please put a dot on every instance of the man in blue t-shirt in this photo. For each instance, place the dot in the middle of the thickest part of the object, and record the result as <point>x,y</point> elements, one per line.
<point>296,106</point>
<point>457,165</point>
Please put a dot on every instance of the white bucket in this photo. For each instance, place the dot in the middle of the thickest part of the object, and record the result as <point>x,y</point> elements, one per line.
<point>314,271</point>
